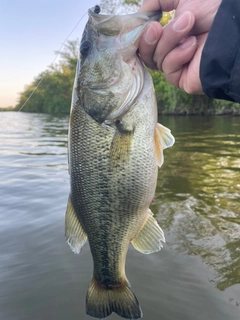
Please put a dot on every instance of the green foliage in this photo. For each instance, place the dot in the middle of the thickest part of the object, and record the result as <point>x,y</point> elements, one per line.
<point>119,6</point>
<point>166,17</point>
<point>131,2</point>
<point>54,93</point>
<point>171,100</point>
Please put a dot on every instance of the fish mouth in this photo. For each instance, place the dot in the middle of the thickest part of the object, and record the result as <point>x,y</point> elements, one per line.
<point>113,25</point>
<point>95,12</point>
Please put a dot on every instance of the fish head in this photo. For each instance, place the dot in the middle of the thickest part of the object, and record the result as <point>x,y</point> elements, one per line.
<point>109,75</point>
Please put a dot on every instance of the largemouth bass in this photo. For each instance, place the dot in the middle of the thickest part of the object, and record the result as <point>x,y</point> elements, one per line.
<point>115,148</point>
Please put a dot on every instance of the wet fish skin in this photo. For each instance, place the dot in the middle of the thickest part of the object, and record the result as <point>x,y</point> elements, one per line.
<point>115,145</point>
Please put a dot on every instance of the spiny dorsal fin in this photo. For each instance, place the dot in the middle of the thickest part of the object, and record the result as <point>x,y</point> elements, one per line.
<point>74,233</point>
<point>163,139</point>
<point>150,237</point>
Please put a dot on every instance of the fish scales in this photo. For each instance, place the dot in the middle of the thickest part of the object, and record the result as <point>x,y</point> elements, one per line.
<point>115,147</point>
<point>109,200</point>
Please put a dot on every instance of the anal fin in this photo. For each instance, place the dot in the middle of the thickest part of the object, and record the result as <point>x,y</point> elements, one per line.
<point>150,237</point>
<point>74,233</point>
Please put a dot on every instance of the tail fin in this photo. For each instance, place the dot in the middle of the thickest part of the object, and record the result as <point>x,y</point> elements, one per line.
<point>101,302</point>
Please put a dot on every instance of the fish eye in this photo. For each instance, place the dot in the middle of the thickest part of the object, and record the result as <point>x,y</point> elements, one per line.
<point>84,48</point>
<point>118,122</point>
<point>97,9</point>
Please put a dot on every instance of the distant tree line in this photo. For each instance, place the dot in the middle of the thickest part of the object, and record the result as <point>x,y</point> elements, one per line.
<point>54,93</point>
<point>171,100</point>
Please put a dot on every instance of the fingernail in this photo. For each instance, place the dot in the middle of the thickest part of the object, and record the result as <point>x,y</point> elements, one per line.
<point>189,42</point>
<point>182,22</point>
<point>150,35</point>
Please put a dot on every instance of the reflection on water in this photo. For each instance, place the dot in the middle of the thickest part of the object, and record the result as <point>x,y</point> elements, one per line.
<point>195,276</point>
<point>202,183</point>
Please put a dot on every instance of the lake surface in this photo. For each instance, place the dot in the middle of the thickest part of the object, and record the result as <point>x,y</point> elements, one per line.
<point>197,274</point>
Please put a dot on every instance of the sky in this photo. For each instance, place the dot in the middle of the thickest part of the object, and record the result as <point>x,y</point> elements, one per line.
<point>30,33</point>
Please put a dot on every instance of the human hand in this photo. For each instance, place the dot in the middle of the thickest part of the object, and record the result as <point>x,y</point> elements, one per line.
<point>176,48</point>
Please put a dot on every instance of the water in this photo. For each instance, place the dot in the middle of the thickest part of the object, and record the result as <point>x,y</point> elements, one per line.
<point>197,274</point>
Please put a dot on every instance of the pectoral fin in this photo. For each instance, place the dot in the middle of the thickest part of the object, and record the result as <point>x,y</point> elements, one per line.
<point>150,237</point>
<point>74,233</point>
<point>163,139</point>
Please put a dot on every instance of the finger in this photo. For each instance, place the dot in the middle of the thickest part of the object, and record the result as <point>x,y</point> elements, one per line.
<point>175,62</point>
<point>153,5</point>
<point>173,34</point>
<point>190,79</point>
<point>147,44</point>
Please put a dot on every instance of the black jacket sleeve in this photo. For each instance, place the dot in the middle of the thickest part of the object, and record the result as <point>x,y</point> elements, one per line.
<point>220,62</point>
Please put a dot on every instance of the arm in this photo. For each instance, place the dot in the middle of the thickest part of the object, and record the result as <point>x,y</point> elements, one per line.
<point>220,62</point>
